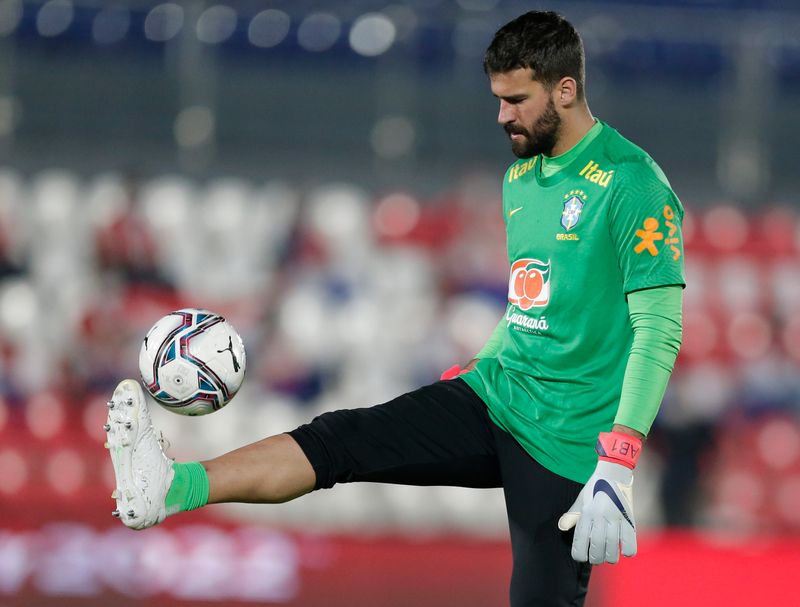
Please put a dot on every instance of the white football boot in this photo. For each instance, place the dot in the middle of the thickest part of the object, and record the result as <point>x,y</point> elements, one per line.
<point>143,472</point>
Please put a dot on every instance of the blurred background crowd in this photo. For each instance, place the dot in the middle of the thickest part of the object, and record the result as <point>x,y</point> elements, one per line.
<point>327,175</point>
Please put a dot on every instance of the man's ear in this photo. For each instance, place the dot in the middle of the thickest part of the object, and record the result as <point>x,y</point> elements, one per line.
<point>566,92</point>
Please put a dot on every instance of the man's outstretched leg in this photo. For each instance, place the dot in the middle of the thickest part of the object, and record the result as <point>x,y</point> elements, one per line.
<point>439,434</point>
<point>150,487</point>
<point>270,471</point>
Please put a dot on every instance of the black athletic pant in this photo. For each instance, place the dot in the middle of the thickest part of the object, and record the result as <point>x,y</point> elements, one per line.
<point>442,435</point>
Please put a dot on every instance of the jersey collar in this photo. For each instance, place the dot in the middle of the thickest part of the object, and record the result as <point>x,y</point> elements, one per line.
<point>569,158</point>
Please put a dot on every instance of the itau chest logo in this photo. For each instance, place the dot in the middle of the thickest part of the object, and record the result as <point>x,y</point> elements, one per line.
<point>529,284</point>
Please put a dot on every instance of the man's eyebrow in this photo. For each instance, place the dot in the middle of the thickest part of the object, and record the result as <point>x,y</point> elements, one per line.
<point>519,97</point>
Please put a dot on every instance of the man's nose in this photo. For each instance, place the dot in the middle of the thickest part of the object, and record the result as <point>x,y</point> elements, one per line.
<point>506,113</point>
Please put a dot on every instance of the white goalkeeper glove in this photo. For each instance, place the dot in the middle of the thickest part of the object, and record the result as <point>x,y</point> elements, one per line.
<point>603,511</point>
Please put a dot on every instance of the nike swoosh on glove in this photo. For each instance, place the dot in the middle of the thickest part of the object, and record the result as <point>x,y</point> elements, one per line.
<point>603,513</point>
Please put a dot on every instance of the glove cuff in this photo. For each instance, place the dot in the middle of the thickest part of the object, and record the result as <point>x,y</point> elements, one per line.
<point>619,448</point>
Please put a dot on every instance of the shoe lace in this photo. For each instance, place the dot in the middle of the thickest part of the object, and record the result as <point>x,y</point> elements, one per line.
<point>163,442</point>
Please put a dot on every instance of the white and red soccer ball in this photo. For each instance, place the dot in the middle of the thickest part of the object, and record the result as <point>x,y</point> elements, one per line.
<point>192,361</point>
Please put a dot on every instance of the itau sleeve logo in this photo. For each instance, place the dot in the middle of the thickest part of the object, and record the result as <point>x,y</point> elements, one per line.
<point>529,284</point>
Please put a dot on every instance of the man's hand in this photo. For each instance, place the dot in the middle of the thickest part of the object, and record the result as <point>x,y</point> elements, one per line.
<point>456,370</point>
<point>452,372</point>
<point>603,511</point>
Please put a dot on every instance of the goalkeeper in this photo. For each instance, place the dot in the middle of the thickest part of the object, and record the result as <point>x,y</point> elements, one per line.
<point>555,407</point>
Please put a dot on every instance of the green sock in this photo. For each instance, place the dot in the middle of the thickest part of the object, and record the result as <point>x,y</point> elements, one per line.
<point>189,488</point>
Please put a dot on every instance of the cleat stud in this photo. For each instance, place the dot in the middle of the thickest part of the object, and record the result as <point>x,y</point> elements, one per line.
<point>129,402</point>
<point>115,494</point>
<point>115,513</point>
<point>129,495</point>
<point>110,404</point>
<point>128,425</point>
<point>126,443</point>
<point>106,445</point>
<point>106,427</point>
<point>131,514</point>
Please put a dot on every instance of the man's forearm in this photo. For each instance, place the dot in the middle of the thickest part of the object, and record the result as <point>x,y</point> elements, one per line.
<point>656,319</point>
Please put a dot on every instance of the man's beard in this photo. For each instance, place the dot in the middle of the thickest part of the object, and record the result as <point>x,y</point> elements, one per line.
<point>541,138</point>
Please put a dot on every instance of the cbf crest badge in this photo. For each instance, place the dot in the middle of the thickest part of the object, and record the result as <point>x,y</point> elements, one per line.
<point>573,207</point>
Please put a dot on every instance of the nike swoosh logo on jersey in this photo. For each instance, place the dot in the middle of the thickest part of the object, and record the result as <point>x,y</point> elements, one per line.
<point>512,211</point>
<point>603,486</point>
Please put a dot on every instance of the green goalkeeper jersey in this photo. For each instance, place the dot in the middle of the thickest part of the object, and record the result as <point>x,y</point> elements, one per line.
<point>607,223</point>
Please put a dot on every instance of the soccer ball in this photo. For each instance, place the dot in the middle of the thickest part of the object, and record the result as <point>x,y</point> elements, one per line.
<point>192,361</point>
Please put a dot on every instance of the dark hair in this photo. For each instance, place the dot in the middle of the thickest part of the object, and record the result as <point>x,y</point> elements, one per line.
<point>543,41</point>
